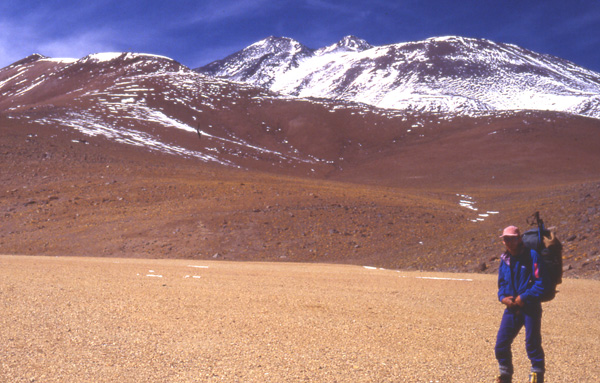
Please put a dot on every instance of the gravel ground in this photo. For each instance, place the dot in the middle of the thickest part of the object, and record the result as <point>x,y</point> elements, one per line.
<point>69,319</point>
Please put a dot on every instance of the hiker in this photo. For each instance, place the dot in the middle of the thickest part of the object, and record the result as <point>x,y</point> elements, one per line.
<point>521,285</point>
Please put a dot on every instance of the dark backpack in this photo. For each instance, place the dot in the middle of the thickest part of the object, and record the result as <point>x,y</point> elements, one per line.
<point>549,248</point>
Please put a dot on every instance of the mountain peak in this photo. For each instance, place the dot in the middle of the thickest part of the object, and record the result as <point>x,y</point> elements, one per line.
<point>275,45</point>
<point>349,43</point>
<point>29,59</point>
<point>261,62</point>
<point>354,43</point>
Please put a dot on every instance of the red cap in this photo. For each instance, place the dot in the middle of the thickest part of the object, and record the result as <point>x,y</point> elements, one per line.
<point>511,231</point>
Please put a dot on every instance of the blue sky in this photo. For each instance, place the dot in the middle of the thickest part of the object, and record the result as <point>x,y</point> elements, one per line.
<point>198,32</point>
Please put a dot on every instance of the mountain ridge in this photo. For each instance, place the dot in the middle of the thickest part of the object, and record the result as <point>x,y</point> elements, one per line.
<point>441,74</point>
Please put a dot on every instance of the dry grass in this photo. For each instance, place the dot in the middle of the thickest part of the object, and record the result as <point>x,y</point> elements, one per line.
<point>69,319</point>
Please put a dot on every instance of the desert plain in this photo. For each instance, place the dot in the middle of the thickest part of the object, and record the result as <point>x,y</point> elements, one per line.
<point>85,319</point>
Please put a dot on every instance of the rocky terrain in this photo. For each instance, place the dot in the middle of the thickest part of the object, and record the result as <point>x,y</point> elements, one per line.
<point>69,194</point>
<point>73,319</point>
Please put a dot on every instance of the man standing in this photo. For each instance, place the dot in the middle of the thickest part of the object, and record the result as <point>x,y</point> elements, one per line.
<point>521,284</point>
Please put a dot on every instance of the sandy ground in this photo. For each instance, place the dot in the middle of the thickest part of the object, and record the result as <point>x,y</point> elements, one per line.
<point>68,319</point>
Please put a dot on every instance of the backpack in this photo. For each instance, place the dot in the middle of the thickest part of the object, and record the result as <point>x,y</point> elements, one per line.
<point>549,248</point>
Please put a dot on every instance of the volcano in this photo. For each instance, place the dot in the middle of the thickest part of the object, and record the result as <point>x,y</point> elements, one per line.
<point>128,154</point>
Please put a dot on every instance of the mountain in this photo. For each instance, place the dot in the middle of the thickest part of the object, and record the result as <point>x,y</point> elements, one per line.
<point>147,101</point>
<point>261,62</point>
<point>155,103</point>
<point>443,74</point>
<point>136,155</point>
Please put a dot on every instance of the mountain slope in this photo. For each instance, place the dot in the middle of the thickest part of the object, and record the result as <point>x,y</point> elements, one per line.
<point>102,156</point>
<point>444,74</point>
<point>148,101</point>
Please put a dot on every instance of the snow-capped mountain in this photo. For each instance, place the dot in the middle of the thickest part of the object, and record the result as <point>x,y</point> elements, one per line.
<point>147,101</point>
<point>260,63</point>
<point>155,103</point>
<point>443,74</point>
<point>139,102</point>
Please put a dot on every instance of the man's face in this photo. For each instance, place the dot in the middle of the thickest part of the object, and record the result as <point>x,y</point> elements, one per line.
<point>513,244</point>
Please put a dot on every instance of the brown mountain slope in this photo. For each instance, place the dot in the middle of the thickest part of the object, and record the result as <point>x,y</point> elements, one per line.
<point>395,207</point>
<point>101,157</point>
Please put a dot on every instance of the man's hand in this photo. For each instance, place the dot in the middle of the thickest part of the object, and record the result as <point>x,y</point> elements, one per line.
<point>513,304</point>
<point>519,302</point>
<point>509,302</point>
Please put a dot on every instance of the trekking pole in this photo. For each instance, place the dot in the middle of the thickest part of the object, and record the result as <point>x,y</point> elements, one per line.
<point>540,225</point>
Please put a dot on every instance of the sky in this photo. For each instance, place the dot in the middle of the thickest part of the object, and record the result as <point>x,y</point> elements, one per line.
<point>196,33</point>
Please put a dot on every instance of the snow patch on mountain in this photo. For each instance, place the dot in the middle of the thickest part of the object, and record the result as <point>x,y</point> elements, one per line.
<point>110,56</point>
<point>64,60</point>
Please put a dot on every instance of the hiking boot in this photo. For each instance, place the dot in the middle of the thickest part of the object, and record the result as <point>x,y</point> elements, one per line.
<point>504,379</point>
<point>536,377</point>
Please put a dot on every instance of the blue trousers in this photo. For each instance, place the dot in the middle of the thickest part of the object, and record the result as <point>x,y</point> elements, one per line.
<point>511,324</point>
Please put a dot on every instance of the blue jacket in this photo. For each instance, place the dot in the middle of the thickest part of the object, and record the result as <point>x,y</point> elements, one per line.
<point>522,275</point>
